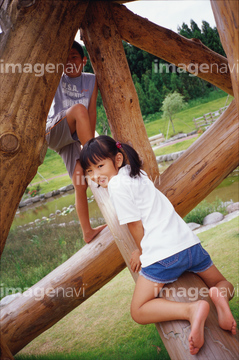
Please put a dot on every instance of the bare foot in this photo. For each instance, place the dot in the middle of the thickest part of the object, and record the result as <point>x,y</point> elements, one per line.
<point>92,234</point>
<point>225,319</point>
<point>200,311</point>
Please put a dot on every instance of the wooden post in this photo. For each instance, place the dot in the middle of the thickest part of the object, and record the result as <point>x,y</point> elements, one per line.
<point>5,353</point>
<point>36,43</point>
<point>119,96</point>
<point>226,13</point>
<point>174,48</point>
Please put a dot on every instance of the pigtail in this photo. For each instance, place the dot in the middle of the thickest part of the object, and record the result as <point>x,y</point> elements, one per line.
<point>103,147</point>
<point>133,159</point>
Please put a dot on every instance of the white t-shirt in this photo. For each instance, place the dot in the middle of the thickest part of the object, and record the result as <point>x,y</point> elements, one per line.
<point>165,232</point>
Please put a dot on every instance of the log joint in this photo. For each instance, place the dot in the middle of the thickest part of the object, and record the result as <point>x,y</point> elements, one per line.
<point>9,143</point>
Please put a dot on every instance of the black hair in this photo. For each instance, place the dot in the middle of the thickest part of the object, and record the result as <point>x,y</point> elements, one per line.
<point>79,48</point>
<point>103,147</point>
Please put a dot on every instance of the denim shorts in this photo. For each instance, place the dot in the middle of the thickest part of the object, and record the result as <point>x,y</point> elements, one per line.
<point>194,259</point>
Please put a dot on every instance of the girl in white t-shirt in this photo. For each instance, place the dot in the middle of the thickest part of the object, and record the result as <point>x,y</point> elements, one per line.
<point>166,245</point>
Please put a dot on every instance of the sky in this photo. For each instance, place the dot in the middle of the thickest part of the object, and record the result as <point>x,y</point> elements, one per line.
<point>172,13</point>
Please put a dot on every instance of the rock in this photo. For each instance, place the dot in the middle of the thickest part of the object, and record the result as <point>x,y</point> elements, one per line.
<point>212,218</point>
<point>55,192</point>
<point>62,189</point>
<point>9,298</point>
<point>233,207</point>
<point>36,199</point>
<point>48,195</point>
<point>193,226</point>
<point>58,212</point>
<point>51,215</point>
<point>25,203</point>
<point>69,187</point>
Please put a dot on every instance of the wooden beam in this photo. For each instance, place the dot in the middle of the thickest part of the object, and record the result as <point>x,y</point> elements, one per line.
<point>172,47</point>
<point>5,353</point>
<point>28,316</point>
<point>119,96</point>
<point>65,288</point>
<point>203,165</point>
<point>36,42</point>
<point>226,15</point>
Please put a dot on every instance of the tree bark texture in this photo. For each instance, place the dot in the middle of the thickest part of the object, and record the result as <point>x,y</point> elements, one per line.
<point>226,13</point>
<point>119,96</point>
<point>172,47</point>
<point>33,37</point>
<point>5,353</point>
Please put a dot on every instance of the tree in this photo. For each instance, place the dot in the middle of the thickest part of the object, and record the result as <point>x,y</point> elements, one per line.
<point>172,104</point>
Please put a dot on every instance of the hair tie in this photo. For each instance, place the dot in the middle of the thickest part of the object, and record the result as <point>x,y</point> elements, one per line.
<point>118,145</point>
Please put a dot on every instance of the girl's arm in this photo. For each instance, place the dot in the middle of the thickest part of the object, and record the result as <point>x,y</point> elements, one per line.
<point>137,231</point>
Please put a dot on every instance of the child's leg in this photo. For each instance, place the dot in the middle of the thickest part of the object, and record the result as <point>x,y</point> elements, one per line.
<point>79,121</point>
<point>146,309</point>
<point>82,205</point>
<point>221,291</point>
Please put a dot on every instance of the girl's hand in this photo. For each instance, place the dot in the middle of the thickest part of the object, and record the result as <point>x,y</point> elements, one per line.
<point>135,263</point>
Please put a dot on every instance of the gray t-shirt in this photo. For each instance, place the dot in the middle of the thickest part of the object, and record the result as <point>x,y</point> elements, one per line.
<point>70,91</point>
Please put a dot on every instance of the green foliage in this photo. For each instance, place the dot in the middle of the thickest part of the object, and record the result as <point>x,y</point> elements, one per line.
<point>209,36</point>
<point>203,209</point>
<point>172,104</point>
<point>154,78</point>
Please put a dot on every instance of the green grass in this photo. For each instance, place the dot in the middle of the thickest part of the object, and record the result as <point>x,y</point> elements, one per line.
<point>101,328</point>
<point>179,146</point>
<point>183,120</point>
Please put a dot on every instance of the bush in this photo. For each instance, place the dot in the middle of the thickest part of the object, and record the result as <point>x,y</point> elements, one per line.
<point>203,209</point>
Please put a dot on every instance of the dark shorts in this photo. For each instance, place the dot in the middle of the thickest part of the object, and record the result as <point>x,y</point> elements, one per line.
<point>60,139</point>
<point>194,259</point>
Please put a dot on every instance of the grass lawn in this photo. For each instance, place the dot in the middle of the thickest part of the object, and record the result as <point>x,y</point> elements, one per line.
<point>183,120</point>
<point>101,328</point>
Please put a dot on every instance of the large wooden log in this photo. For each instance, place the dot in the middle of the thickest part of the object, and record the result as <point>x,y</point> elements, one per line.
<point>119,96</point>
<point>27,317</point>
<point>226,15</point>
<point>36,42</point>
<point>5,353</point>
<point>61,291</point>
<point>174,48</point>
<point>204,165</point>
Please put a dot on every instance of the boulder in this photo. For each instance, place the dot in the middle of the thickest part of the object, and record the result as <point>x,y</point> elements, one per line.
<point>212,218</point>
<point>233,207</point>
<point>193,226</point>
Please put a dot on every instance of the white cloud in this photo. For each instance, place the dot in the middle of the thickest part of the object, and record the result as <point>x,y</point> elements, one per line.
<point>172,13</point>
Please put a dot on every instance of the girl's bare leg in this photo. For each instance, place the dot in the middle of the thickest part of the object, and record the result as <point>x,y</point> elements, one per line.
<point>146,309</point>
<point>82,205</point>
<point>221,291</point>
